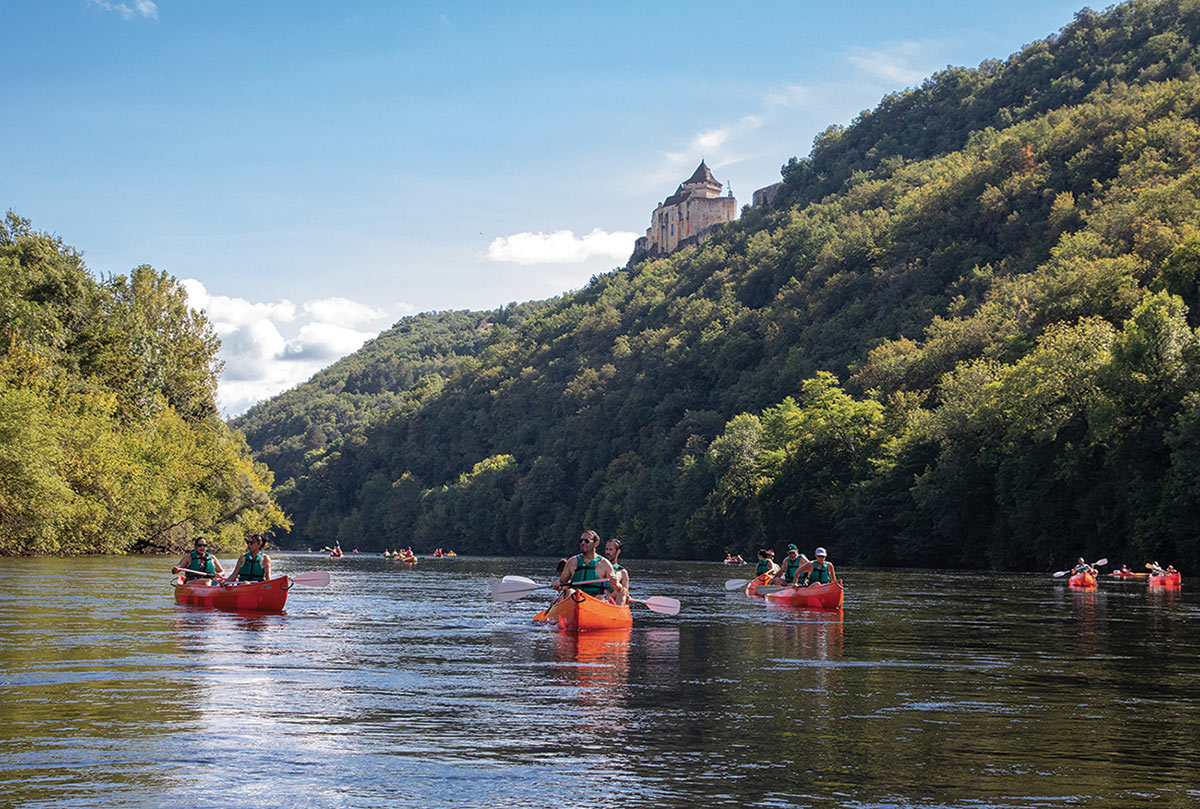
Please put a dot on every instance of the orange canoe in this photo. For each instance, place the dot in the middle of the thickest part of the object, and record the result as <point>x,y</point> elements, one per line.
<point>756,582</point>
<point>813,597</point>
<point>580,612</point>
<point>262,596</point>
<point>1082,579</point>
<point>1168,579</point>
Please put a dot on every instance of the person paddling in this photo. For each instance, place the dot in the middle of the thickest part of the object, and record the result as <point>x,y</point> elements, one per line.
<point>200,561</point>
<point>253,565</point>
<point>766,562</point>
<point>620,579</point>
<point>586,566</point>
<point>791,566</point>
<point>818,571</point>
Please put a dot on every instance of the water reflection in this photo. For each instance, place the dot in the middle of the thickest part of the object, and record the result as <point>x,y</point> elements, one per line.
<point>814,634</point>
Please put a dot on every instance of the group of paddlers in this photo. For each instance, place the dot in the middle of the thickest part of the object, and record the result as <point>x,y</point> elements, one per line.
<point>590,572</point>
<point>253,565</point>
<point>797,569</point>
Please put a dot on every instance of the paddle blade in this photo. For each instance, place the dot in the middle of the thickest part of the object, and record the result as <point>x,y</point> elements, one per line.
<point>1100,563</point>
<point>736,584</point>
<point>663,604</point>
<point>543,615</point>
<point>510,588</point>
<point>312,578</point>
<point>1058,574</point>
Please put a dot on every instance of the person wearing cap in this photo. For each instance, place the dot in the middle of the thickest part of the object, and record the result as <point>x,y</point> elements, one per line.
<point>791,566</point>
<point>818,571</point>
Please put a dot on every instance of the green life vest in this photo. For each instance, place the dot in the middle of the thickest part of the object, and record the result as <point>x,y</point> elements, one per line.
<point>818,575</point>
<point>790,568</point>
<point>252,568</point>
<point>202,562</point>
<point>764,566</point>
<point>587,572</point>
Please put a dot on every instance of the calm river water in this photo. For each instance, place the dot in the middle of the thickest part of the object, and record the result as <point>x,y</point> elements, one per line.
<point>409,687</point>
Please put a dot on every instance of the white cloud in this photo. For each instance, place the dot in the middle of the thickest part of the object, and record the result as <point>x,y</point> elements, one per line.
<point>903,63</point>
<point>261,361</point>
<point>142,8</point>
<point>560,247</point>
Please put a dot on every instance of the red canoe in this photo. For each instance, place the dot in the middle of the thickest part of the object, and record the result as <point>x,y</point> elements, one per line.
<point>756,582</point>
<point>580,612</point>
<point>1167,579</point>
<point>813,597</point>
<point>1121,574</point>
<point>262,596</point>
<point>1084,578</point>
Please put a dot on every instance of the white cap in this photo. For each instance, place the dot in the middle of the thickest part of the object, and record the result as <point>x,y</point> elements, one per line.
<point>820,552</point>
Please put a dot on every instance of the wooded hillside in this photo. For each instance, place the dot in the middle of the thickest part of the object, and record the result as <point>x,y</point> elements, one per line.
<point>964,335</point>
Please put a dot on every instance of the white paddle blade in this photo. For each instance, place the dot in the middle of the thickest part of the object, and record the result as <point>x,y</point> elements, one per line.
<point>519,580</point>
<point>312,578</point>
<point>1100,563</point>
<point>663,604</point>
<point>512,590</point>
<point>736,584</point>
<point>1058,574</point>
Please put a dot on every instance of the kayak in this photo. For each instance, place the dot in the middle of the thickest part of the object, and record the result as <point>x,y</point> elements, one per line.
<point>408,560</point>
<point>1084,578</point>
<point>756,582</point>
<point>263,596</point>
<point>813,597</point>
<point>1167,579</point>
<point>580,612</point>
<point>1121,574</point>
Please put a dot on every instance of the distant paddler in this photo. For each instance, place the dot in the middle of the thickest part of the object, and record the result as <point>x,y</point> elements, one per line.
<point>199,561</point>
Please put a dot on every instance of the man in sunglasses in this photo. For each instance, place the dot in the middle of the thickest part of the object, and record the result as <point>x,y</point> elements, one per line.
<point>587,571</point>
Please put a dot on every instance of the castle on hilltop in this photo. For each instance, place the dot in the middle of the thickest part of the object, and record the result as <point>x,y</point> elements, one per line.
<point>687,216</point>
<point>690,214</point>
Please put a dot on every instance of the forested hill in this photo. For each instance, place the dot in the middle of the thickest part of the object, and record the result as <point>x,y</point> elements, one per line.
<point>963,336</point>
<point>110,440</point>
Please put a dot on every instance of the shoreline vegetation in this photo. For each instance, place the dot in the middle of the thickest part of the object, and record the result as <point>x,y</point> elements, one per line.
<point>110,440</point>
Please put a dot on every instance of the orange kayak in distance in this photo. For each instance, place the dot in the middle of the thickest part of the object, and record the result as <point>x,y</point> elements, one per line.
<point>580,612</point>
<point>1167,579</point>
<point>260,596</point>
<point>813,597</point>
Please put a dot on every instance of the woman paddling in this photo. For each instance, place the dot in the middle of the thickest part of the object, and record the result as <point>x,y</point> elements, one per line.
<point>200,564</point>
<point>253,565</point>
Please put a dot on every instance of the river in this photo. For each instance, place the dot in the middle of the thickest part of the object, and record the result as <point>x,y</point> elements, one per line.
<point>399,686</point>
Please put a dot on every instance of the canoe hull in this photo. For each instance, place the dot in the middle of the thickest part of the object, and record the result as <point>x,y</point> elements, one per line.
<point>1167,580</point>
<point>1082,579</point>
<point>755,583</point>
<point>814,597</point>
<point>257,596</point>
<point>580,612</point>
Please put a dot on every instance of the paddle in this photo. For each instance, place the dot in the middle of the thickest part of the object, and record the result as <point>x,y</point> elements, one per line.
<point>311,578</point>
<point>510,588</point>
<point>1058,574</point>
<point>663,604</point>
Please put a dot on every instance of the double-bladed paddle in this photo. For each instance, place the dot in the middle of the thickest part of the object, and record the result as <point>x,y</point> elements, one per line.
<point>1058,574</point>
<point>511,588</point>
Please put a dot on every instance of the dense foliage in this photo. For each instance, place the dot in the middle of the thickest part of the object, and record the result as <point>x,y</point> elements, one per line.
<point>964,335</point>
<point>109,435</point>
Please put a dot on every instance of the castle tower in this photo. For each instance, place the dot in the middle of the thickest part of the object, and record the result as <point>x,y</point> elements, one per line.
<point>688,216</point>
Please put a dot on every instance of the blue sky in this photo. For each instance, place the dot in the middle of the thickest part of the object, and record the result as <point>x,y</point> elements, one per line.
<point>313,171</point>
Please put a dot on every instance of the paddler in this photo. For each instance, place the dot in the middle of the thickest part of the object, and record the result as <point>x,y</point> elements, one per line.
<point>766,562</point>
<point>791,567</point>
<point>586,571</point>
<point>203,563</point>
<point>620,579</point>
<point>818,571</point>
<point>253,565</point>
